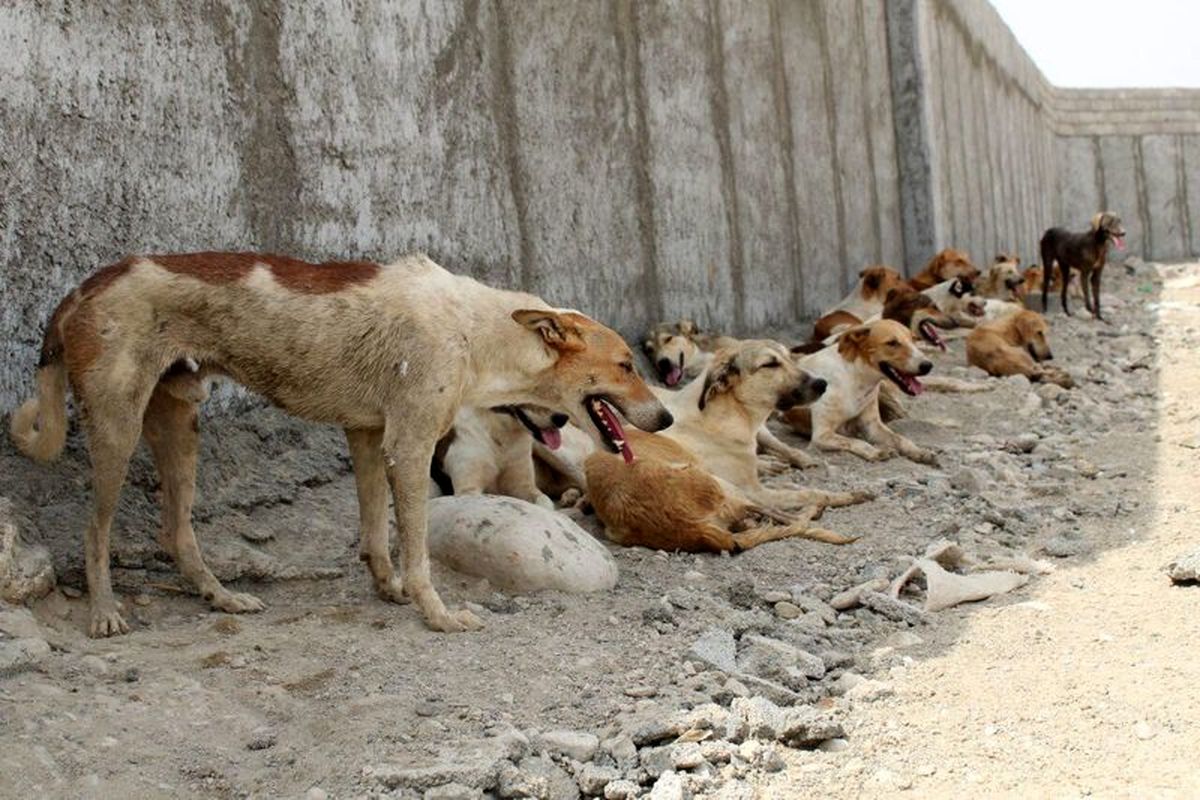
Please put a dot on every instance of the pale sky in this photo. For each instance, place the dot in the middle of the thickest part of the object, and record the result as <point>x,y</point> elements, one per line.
<point>1109,43</point>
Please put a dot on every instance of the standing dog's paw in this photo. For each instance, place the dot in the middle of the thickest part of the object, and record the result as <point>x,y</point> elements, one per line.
<point>459,621</point>
<point>236,602</point>
<point>393,590</point>
<point>107,621</point>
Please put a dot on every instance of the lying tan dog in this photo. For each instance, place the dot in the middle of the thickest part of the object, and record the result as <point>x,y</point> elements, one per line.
<point>718,418</point>
<point>945,266</point>
<point>490,451</point>
<point>381,351</point>
<point>1015,345</point>
<point>689,489</point>
<point>679,351</point>
<point>1003,280</point>
<point>865,301</point>
<point>854,368</point>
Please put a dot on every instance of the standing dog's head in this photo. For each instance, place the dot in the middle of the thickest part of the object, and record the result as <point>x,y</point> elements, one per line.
<point>763,377</point>
<point>592,378</point>
<point>917,312</point>
<point>950,264</point>
<point>1108,226</point>
<point>875,283</point>
<point>672,350</point>
<point>1028,329</point>
<point>888,347</point>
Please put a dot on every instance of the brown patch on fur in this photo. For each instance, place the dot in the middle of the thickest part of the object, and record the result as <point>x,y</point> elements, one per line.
<point>946,265</point>
<point>904,304</point>
<point>290,273</point>
<point>94,284</point>
<point>878,281</point>
<point>831,323</point>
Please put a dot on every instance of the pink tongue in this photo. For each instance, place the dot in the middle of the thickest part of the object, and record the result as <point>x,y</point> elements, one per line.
<point>1120,242</point>
<point>618,431</point>
<point>913,384</point>
<point>931,332</point>
<point>673,376</point>
<point>552,438</point>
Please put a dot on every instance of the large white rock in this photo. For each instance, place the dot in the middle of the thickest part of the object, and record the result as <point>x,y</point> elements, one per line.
<point>25,569</point>
<point>517,546</point>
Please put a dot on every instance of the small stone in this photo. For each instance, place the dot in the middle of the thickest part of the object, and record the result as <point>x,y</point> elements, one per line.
<point>836,745</point>
<point>715,648</point>
<point>1186,569</point>
<point>453,791</point>
<point>316,793</point>
<point>94,665</point>
<point>890,608</point>
<point>593,779</point>
<point>845,682</point>
<point>851,597</point>
<point>141,600</point>
<point>621,790</point>
<point>1143,731</point>
<point>686,756</point>
<point>717,751</point>
<point>71,592</point>
<point>640,690</point>
<point>1065,547</point>
<point>774,596</point>
<point>261,739</point>
<point>788,610</point>
<point>869,691</point>
<point>578,745</point>
<point>656,760</point>
<point>926,770</point>
<point>669,786</point>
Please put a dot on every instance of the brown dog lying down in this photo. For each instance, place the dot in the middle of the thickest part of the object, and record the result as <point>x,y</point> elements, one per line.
<point>945,266</point>
<point>855,368</point>
<point>692,489</point>
<point>866,300</point>
<point>1015,345</point>
<point>1086,252</point>
<point>666,500</point>
<point>915,310</point>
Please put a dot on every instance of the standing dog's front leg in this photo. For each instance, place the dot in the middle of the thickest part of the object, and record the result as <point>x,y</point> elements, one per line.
<point>874,429</point>
<point>768,442</point>
<point>406,462</point>
<point>366,453</point>
<point>1096,295</point>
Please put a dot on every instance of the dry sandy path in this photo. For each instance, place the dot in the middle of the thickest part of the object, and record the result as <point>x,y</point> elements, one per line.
<point>1090,686</point>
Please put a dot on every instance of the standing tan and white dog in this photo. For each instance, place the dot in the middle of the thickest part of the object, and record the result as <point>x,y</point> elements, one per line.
<point>389,353</point>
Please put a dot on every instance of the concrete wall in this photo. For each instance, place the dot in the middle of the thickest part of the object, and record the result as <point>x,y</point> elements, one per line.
<point>731,160</point>
<point>737,161</point>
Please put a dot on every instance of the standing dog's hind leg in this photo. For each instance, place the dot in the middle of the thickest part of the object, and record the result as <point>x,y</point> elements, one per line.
<point>171,427</point>
<point>370,478</point>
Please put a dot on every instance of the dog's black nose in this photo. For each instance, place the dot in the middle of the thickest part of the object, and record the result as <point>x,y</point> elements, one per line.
<point>665,420</point>
<point>819,386</point>
<point>559,420</point>
<point>1049,356</point>
<point>926,368</point>
<point>665,364</point>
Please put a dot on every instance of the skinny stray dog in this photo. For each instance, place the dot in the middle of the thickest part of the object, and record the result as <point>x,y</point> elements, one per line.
<point>694,489</point>
<point>1086,252</point>
<point>491,450</point>
<point>389,353</point>
<point>945,266</point>
<point>1015,345</point>
<point>854,368</point>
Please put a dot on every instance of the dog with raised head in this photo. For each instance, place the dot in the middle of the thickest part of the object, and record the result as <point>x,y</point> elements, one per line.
<point>1003,280</point>
<point>864,301</point>
<point>679,350</point>
<point>1086,252</point>
<point>1016,345</point>
<point>945,266</point>
<point>388,353</point>
<point>855,368</point>
<point>692,488</point>
<point>490,450</point>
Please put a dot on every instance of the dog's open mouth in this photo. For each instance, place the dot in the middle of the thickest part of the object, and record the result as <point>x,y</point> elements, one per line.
<point>929,333</point>
<point>550,436</point>
<point>604,417</point>
<point>907,382</point>
<point>1119,240</point>
<point>670,371</point>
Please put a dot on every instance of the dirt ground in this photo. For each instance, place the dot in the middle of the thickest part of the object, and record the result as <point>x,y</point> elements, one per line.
<point>1075,684</point>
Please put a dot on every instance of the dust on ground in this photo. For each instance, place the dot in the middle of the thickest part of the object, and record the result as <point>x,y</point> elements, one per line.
<point>331,686</point>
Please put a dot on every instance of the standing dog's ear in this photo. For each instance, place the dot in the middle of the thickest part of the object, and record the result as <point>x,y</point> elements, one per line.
<point>555,328</point>
<point>720,378</point>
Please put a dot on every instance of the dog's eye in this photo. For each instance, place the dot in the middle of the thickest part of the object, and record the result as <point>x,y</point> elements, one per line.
<point>894,343</point>
<point>627,366</point>
<point>670,338</point>
<point>772,364</point>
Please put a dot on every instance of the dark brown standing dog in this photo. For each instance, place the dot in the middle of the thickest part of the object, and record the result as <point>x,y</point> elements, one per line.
<point>1085,252</point>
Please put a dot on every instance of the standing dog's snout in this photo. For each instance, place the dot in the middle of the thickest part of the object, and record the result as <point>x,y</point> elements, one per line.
<point>925,368</point>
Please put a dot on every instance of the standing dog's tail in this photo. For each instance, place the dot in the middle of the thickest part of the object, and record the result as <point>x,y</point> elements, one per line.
<point>39,426</point>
